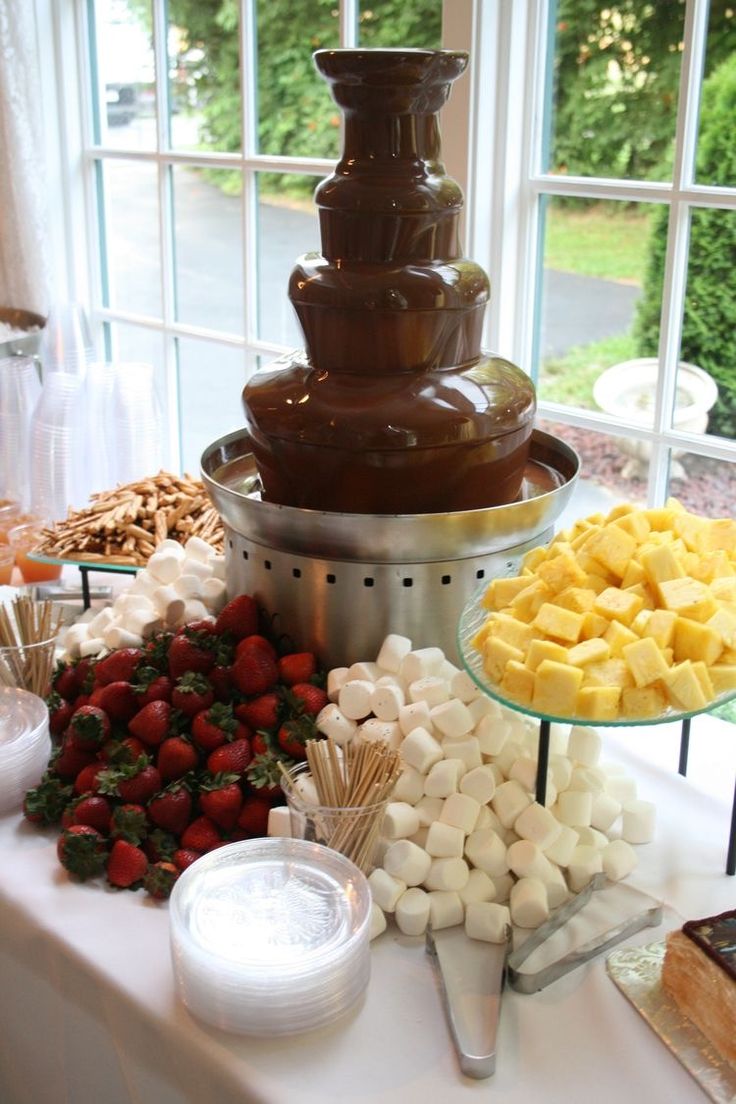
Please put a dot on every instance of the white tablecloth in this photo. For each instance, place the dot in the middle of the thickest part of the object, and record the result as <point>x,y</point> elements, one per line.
<point>88,1013</point>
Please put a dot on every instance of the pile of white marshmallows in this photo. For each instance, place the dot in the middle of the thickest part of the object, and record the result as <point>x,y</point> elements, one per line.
<point>179,583</point>
<point>464,839</point>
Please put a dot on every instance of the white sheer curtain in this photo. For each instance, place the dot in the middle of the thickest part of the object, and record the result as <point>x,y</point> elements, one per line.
<point>24,274</point>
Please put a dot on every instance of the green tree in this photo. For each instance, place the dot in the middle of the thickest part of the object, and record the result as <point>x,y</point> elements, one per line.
<point>709,321</point>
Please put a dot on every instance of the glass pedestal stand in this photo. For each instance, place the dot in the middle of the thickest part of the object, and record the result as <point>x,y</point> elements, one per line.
<point>105,567</point>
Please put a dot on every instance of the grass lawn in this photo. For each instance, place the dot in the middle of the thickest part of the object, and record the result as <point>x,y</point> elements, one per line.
<point>605,240</point>
<point>569,379</point>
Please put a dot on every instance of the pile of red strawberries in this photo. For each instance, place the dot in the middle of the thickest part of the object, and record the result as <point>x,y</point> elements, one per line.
<point>165,752</point>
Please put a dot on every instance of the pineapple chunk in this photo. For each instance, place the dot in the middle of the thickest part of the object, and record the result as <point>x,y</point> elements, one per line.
<point>662,518</point>
<point>501,592</point>
<point>643,592</point>
<point>643,701</point>
<point>512,631</point>
<point>701,673</point>
<point>688,598</point>
<point>724,589</point>
<point>556,688</point>
<point>689,527</point>
<point>527,602</point>
<point>634,573</point>
<point>616,635</point>
<point>577,599</point>
<point>558,622</point>
<point>694,640</point>
<point>539,650</point>
<point>636,524</point>
<point>609,672</point>
<point>661,627</point>
<point>683,687</point>
<point>640,622</point>
<point>718,534</point>
<point>645,661</point>
<point>598,703</point>
<point>480,637</point>
<point>496,654</point>
<point>533,558</point>
<point>588,651</point>
<point>597,583</point>
<point>593,625</point>
<point>619,511</point>
<point>708,566</point>
<point>722,677</point>
<point>724,623</point>
<point>618,605</point>
<point>562,570</point>
<point>659,564</point>
<point>518,682</point>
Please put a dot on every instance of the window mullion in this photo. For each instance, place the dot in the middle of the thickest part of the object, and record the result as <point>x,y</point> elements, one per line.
<point>249,146</point>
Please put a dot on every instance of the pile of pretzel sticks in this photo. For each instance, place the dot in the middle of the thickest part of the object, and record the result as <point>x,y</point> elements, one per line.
<point>126,525</point>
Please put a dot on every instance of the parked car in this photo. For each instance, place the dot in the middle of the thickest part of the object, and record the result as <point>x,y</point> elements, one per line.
<point>121,104</point>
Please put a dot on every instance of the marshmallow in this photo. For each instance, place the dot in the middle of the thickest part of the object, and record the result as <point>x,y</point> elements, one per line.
<point>354,698</point>
<point>144,583</point>
<point>524,771</point>
<point>507,756</point>
<point>125,603</point>
<point>394,649</point>
<point>336,679</point>
<point>305,787</point>
<point>481,707</point>
<point>479,887</point>
<point>528,903</point>
<point>385,889</point>
<point>115,636</point>
<point>189,586</point>
<point>526,860</point>
<point>420,663</point>
<point>365,672</point>
<point>509,801</point>
<point>637,822</point>
<point>556,886</point>
<point>488,921</point>
<point>377,922</point>
<point>445,841</point>
<point>464,688</point>
<point>467,749</point>
<point>560,852</point>
<point>409,786</point>
<point>449,874</point>
<point>491,734</point>
<point>175,548</point>
<point>478,783</point>
<point>279,821</point>
<point>575,807</point>
<point>584,745</point>
<point>375,731</point>
<point>168,604</point>
<point>584,863</point>
<point>333,723</point>
<point>400,820</point>
<point>605,811</point>
<point>487,819</point>
<point>445,909</point>
<point>442,779</point>
<point>412,912</point>
<point>407,862</point>
<point>420,750</point>
<point>143,622</point>
<point>502,883</point>
<point>420,837</point>
<point>429,809</point>
<point>414,715</point>
<point>218,566</point>
<point>591,837</point>
<point>196,567</point>
<point>452,718</point>
<point>448,671</point>
<point>619,858</point>
<point>537,824</point>
<point>92,646</point>
<point>214,594</point>
<point>487,851</point>
<point>164,566</point>
<point>194,610</point>
<point>390,680</point>
<point>587,778</point>
<point>198,549</point>
<point>461,811</point>
<point>621,788</point>
<point>386,701</point>
<point>560,771</point>
<point>431,689</point>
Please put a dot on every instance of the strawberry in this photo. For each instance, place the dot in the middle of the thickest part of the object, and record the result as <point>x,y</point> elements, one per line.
<point>201,835</point>
<point>135,783</point>
<point>95,811</point>
<point>160,846</point>
<point>151,724</point>
<point>118,666</point>
<point>45,803</point>
<point>159,880</point>
<point>253,818</point>
<point>308,698</point>
<point>191,650</point>
<point>65,682</point>
<point>255,643</point>
<point>70,760</point>
<point>126,865</point>
<point>89,727</point>
<point>260,743</point>
<point>126,750</point>
<point>156,652</point>
<point>261,712</point>
<point>117,699</point>
<point>175,758</point>
<point>264,776</point>
<point>192,693</point>
<point>81,850</point>
<point>254,670</point>
<point>185,856</point>
<point>239,617</point>
<point>293,735</point>
<point>230,758</point>
<point>67,817</point>
<point>220,798</point>
<point>129,822</point>
<point>60,713</point>
<point>151,686</point>
<point>171,809</point>
<point>212,727</point>
<point>87,781</point>
<point>297,667</point>
<point>221,678</point>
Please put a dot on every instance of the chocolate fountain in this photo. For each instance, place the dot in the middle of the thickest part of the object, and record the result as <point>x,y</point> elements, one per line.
<point>391,466</point>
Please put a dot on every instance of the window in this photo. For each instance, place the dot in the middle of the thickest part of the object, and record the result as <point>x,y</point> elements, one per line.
<point>600,181</point>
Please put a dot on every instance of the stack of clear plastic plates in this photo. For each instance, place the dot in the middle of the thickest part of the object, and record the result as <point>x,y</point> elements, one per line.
<point>25,744</point>
<point>270,936</point>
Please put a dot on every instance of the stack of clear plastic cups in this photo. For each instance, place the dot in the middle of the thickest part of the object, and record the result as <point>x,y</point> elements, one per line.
<point>270,936</point>
<point>20,388</point>
<point>66,342</point>
<point>136,418</point>
<point>60,459</point>
<point>25,745</point>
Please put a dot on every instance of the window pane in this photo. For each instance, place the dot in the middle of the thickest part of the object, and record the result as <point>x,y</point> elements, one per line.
<point>204,75</point>
<point>716,154</point>
<point>612,468</point>
<point>398,23</point>
<point>614,101</point>
<point>287,227</point>
<point>296,114</point>
<point>125,93</point>
<point>703,485</point>
<point>208,251</point>
<point>135,344</point>
<point>595,259</point>
<point>211,378</point>
<point>709,323</point>
<point>133,273</point>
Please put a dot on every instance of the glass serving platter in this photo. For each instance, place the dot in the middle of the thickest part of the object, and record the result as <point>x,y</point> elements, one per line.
<point>103,563</point>
<point>472,620</point>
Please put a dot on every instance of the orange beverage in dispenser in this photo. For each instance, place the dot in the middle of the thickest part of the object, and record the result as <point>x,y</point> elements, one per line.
<point>7,559</point>
<point>10,515</point>
<point>23,539</point>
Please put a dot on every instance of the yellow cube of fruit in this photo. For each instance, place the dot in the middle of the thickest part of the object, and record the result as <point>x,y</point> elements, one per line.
<point>661,627</point>
<point>577,599</point>
<point>533,558</point>
<point>556,688</point>
<point>588,651</point>
<point>683,688</point>
<point>620,510</point>
<point>722,677</point>
<point>662,518</point>
<point>724,589</point>
<point>693,640</point>
<point>618,605</point>
<point>688,598</point>
<point>598,703</point>
<point>644,592</point>
<point>720,533</point>
<point>511,630</point>
<point>659,564</point>
<point>688,528</point>
<point>609,672</point>
<point>561,570</point>
<point>563,624</point>
<point>640,622</point>
<point>518,682</point>
<point>480,637</point>
<point>597,583</point>
<point>707,566</point>
<point>644,660</point>
<point>636,524</point>
<point>501,592</point>
<point>617,635</point>
<point>642,702</point>
<point>634,573</point>
<point>706,685</point>
<point>539,650</point>
<point>724,623</point>
<point>527,602</point>
<point>594,624</point>
<point>496,654</point>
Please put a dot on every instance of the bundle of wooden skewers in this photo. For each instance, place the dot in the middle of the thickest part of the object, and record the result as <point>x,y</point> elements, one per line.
<point>27,639</point>
<point>352,786</point>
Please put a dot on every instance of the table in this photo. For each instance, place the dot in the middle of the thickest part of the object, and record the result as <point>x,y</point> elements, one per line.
<point>88,1013</point>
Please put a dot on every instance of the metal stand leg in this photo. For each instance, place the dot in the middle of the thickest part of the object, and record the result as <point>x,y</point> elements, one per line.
<point>731,859</point>
<point>543,761</point>
<point>86,601</point>
<point>684,746</point>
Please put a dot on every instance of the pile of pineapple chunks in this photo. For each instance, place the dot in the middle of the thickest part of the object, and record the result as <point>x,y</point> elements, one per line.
<point>628,616</point>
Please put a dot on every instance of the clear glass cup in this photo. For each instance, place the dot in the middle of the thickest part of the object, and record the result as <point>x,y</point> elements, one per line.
<point>28,666</point>
<point>10,512</point>
<point>7,562</point>
<point>24,539</point>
